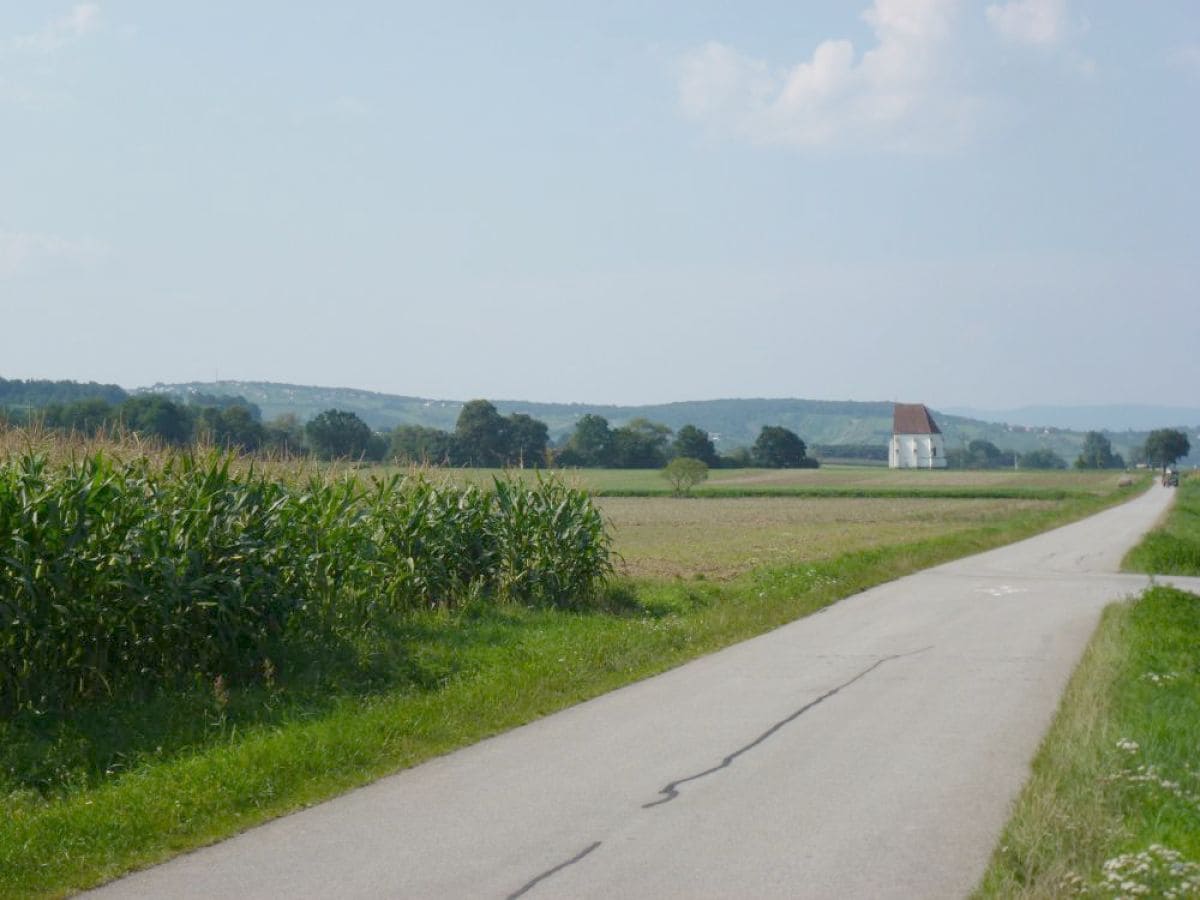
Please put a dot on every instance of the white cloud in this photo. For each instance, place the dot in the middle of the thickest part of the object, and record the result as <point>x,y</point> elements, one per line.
<point>82,18</point>
<point>24,251</point>
<point>1038,22</point>
<point>896,92</point>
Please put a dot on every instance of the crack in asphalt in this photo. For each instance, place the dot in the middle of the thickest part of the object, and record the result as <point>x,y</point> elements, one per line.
<point>531,884</point>
<point>671,790</point>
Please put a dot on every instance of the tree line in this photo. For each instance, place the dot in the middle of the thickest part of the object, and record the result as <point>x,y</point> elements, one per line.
<point>482,437</point>
<point>1163,447</point>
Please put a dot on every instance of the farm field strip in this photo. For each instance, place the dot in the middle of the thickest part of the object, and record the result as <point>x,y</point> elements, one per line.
<point>848,481</point>
<point>724,537</point>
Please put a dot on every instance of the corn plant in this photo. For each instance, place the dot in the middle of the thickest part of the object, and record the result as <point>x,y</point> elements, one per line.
<point>118,574</point>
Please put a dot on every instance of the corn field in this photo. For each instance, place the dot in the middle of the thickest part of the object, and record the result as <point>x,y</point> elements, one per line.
<point>117,573</point>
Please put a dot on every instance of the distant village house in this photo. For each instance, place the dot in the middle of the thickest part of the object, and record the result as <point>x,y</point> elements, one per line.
<point>917,442</point>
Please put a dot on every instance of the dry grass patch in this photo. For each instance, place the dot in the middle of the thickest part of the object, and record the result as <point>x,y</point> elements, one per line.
<point>724,537</point>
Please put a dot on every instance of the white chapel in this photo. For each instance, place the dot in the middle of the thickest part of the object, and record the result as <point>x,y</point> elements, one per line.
<point>917,442</point>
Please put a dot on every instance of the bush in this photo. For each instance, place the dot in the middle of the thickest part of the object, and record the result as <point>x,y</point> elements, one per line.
<point>685,473</point>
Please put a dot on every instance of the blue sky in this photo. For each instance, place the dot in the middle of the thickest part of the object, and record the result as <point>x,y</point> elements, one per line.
<point>961,203</point>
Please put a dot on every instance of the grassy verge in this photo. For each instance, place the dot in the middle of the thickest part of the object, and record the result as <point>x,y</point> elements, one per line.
<point>1113,806</point>
<point>110,789</point>
<point>1173,548</point>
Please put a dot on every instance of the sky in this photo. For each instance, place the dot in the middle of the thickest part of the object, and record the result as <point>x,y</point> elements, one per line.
<point>985,204</point>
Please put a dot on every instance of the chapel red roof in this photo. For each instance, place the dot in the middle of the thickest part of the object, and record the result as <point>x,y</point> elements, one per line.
<point>913,418</point>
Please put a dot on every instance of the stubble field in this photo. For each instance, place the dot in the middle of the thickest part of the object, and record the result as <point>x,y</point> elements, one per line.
<point>719,538</point>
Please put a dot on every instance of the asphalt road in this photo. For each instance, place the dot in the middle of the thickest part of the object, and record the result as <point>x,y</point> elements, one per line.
<point>871,750</point>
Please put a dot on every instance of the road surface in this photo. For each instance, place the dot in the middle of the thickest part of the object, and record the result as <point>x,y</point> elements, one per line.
<point>871,750</point>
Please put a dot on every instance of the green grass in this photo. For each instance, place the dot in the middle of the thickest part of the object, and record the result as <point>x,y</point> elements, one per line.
<point>97,792</point>
<point>1113,805</point>
<point>1174,547</point>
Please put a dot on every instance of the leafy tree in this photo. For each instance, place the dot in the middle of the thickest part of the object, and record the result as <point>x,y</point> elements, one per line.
<point>224,401</point>
<point>84,416</point>
<point>284,434</point>
<point>527,441</point>
<point>377,447</point>
<point>418,445</point>
<point>337,434</point>
<point>1097,453</point>
<point>980,454</point>
<point>694,443</point>
<point>641,444</point>
<point>1165,445</point>
<point>233,426</point>
<point>481,435</point>
<point>779,448</point>
<point>157,416</point>
<point>737,458</point>
<point>590,443</point>
<point>1042,459</point>
<point>684,473</point>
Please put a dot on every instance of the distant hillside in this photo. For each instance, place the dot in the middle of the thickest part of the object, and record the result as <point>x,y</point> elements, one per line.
<point>1127,417</point>
<point>733,423</point>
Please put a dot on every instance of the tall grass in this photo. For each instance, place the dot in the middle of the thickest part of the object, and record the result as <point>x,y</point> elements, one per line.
<point>1174,547</point>
<point>115,574</point>
<point>1113,805</point>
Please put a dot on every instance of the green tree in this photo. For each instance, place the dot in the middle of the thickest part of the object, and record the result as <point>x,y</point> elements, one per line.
<point>780,448</point>
<point>527,441</point>
<point>157,416</point>
<point>234,427</point>
<point>1166,445</point>
<point>694,443</point>
<point>981,454</point>
<point>88,417</point>
<point>1042,458</point>
<point>1097,453</point>
<point>284,434</point>
<point>590,443</point>
<point>337,434</point>
<point>417,445</point>
<point>481,435</point>
<point>640,444</point>
<point>737,458</point>
<point>684,473</point>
